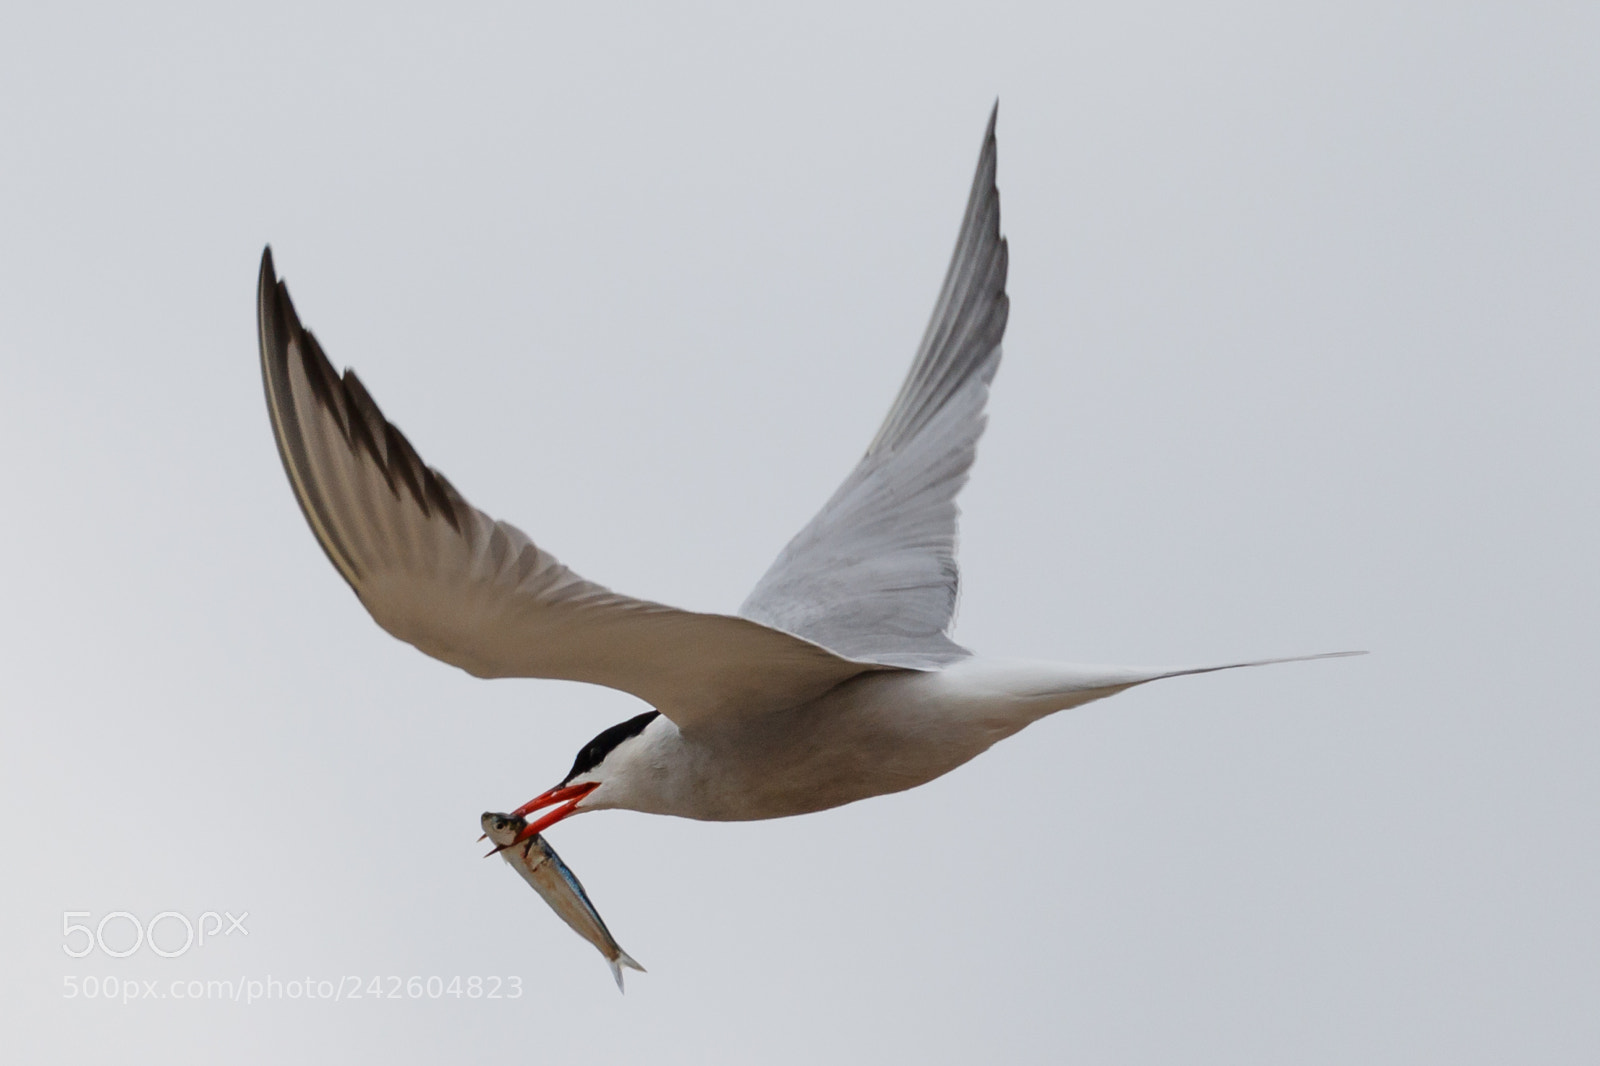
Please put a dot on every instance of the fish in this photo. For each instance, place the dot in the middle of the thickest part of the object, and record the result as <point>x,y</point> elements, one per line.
<point>553,879</point>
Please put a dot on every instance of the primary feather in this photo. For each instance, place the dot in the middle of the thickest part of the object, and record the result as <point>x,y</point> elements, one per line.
<point>477,593</point>
<point>873,576</point>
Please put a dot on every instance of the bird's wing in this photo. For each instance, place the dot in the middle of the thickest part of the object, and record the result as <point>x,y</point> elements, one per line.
<point>873,576</point>
<point>438,573</point>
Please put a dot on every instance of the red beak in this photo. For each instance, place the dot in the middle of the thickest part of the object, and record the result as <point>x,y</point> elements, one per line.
<point>568,797</point>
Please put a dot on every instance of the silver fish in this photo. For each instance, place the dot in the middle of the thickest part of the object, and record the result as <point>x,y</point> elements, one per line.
<point>542,868</point>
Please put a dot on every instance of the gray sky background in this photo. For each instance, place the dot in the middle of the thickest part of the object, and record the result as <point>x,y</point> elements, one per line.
<point>1302,358</point>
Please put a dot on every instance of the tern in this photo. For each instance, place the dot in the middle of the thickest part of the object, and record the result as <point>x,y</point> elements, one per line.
<point>836,680</point>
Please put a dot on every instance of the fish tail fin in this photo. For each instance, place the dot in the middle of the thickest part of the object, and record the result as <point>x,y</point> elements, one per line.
<point>623,959</point>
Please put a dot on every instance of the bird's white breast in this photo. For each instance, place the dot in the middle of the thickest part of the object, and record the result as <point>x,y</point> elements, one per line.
<point>875,734</point>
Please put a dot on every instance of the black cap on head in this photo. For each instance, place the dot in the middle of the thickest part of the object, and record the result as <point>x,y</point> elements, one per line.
<point>594,753</point>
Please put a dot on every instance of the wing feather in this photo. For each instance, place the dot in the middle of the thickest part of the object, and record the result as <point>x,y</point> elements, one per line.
<point>873,576</point>
<point>438,573</point>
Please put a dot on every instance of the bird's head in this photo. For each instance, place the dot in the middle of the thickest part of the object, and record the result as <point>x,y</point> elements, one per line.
<point>597,761</point>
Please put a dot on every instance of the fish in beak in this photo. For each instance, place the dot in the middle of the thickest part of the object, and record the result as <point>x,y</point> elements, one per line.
<point>564,798</point>
<point>554,880</point>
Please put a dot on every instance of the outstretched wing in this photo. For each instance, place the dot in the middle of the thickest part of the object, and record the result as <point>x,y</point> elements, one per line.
<point>873,576</point>
<point>438,573</point>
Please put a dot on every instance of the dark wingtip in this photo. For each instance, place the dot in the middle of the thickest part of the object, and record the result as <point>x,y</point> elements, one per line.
<point>273,298</point>
<point>267,280</point>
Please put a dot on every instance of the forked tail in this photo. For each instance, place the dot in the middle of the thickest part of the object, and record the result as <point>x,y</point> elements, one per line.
<point>1031,690</point>
<point>622,959</point>
<point>1185,671</point>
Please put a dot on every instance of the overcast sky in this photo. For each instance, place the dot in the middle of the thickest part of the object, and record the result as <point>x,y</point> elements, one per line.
<point>1302,357</point>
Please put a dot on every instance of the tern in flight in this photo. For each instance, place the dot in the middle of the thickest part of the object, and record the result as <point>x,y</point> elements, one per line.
<point>835,681</point>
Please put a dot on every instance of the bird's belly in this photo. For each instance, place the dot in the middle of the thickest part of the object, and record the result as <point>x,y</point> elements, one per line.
<point>865,739</point>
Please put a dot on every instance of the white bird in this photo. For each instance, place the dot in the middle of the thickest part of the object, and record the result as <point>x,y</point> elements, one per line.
<point>835,681</point>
